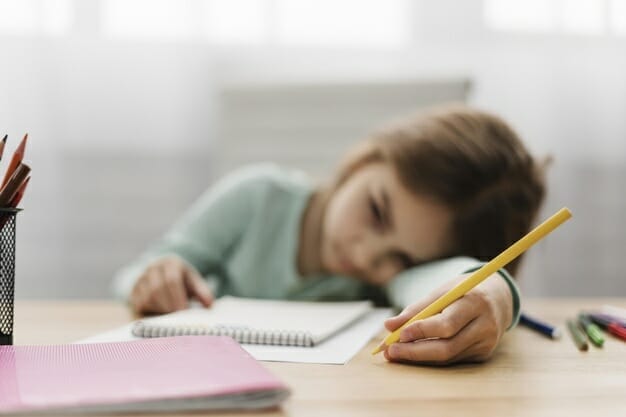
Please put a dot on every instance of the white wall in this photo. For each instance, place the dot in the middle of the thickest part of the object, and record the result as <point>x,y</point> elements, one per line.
<point>102,112</point>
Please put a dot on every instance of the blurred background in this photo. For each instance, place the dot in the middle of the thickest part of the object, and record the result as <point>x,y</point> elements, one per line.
<point>134,107</point>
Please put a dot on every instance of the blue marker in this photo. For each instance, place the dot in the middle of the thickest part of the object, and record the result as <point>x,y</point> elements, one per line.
<point>543,328</point>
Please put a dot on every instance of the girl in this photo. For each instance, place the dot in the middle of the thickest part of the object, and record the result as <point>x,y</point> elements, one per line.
<point>408,214</point>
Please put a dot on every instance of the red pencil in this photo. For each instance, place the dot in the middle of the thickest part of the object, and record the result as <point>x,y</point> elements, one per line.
<point>15,160</point>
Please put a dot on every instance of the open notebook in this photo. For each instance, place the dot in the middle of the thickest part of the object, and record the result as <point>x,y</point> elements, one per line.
<point>255,321</point>
<point>156,375</point>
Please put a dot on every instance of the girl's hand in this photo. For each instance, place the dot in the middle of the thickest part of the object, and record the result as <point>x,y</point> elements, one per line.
<point>468,330</point>
<point>167,285</point>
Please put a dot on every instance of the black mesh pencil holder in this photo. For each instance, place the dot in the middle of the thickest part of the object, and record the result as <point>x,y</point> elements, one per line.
<point>7,273</point>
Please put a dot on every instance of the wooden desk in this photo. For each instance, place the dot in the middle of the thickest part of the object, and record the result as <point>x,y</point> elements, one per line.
<point>528,376</point>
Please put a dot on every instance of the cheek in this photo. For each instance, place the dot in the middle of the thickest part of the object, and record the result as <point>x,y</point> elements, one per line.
<point>385,272</point>
<point>341,226</point>
<point>342,219</point>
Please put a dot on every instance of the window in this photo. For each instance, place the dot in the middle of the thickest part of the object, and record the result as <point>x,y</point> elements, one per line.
<point>273,22</point>
<point>35,17</point>
<point>585,17</point>
<point>617,16</point>
<point>237,21</point>
<point>344,23</point>
<point>257,22</point>
<point>164,19</point>
<point>329,23</point>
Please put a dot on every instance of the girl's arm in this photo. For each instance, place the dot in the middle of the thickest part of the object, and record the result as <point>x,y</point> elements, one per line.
<point>204,235</point>
<point>467,330</point>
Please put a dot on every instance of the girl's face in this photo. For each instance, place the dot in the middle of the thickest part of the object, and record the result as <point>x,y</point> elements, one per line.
<point>374,227</point>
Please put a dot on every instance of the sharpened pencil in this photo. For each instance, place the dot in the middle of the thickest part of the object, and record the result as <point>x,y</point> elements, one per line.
<point>15,161</point>
<point>2,145</point>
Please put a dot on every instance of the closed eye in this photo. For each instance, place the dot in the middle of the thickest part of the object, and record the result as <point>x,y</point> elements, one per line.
<point>404,260</point>
<point>376,212</point>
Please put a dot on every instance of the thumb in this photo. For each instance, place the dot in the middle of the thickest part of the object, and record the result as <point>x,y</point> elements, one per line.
<point>198,288</point>
<point>392,323</point>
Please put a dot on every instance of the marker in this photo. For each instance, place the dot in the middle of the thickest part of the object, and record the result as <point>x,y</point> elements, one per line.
<point>614,311</point>
<point>543,328</point>
<point>617,320</point>
<point>610,326</point>
<point>579,338</point>
<point>594,333</point>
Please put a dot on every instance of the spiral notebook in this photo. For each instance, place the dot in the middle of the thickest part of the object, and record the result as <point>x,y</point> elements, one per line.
<point>155,375</point>
<point>257,321</point>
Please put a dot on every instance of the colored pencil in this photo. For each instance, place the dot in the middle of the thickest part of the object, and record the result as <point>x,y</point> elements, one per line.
<point>2,145</point>
<point>8,192</point>
<point>20,193</point>
<point>15,161</point>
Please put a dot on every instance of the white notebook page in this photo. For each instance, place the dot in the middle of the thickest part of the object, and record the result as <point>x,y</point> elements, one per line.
<point>319,319</point>
<point>338,349</point>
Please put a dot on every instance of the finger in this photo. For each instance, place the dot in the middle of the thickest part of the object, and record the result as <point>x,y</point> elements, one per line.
<point>163,295</point>
<point>141,291</point>
<point>156,297</point>
<point>467,355</point>
<point>474,354</point>
<point>409,312</point>
<point>436,351</point>
<point>136,298</point>
<point>198,287</point>
<point>175,282</point>
<point>392,323</point>
<point>443,325</point>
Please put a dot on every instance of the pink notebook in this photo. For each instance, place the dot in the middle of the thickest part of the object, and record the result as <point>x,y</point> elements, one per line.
<point>164,374</point>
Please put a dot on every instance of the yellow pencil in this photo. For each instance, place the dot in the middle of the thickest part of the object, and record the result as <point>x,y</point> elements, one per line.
<point>480,275</point>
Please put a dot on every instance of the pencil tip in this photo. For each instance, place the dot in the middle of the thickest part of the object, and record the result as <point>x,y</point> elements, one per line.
<point>22,146</point>
<point>4,139</point>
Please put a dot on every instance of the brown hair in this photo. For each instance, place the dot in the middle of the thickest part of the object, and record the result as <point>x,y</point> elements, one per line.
<point>470,161</point>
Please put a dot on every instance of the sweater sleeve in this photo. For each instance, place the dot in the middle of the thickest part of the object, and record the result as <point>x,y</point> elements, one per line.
<point>415,283</point>
<point>205,234</point>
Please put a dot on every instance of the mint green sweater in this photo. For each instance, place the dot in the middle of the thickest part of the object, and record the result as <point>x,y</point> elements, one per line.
<point>242,235</point>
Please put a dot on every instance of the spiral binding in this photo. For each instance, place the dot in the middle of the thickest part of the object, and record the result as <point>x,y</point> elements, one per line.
<point>240,334</point>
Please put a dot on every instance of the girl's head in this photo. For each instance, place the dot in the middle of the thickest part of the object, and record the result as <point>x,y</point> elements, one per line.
<point>452,181</point>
